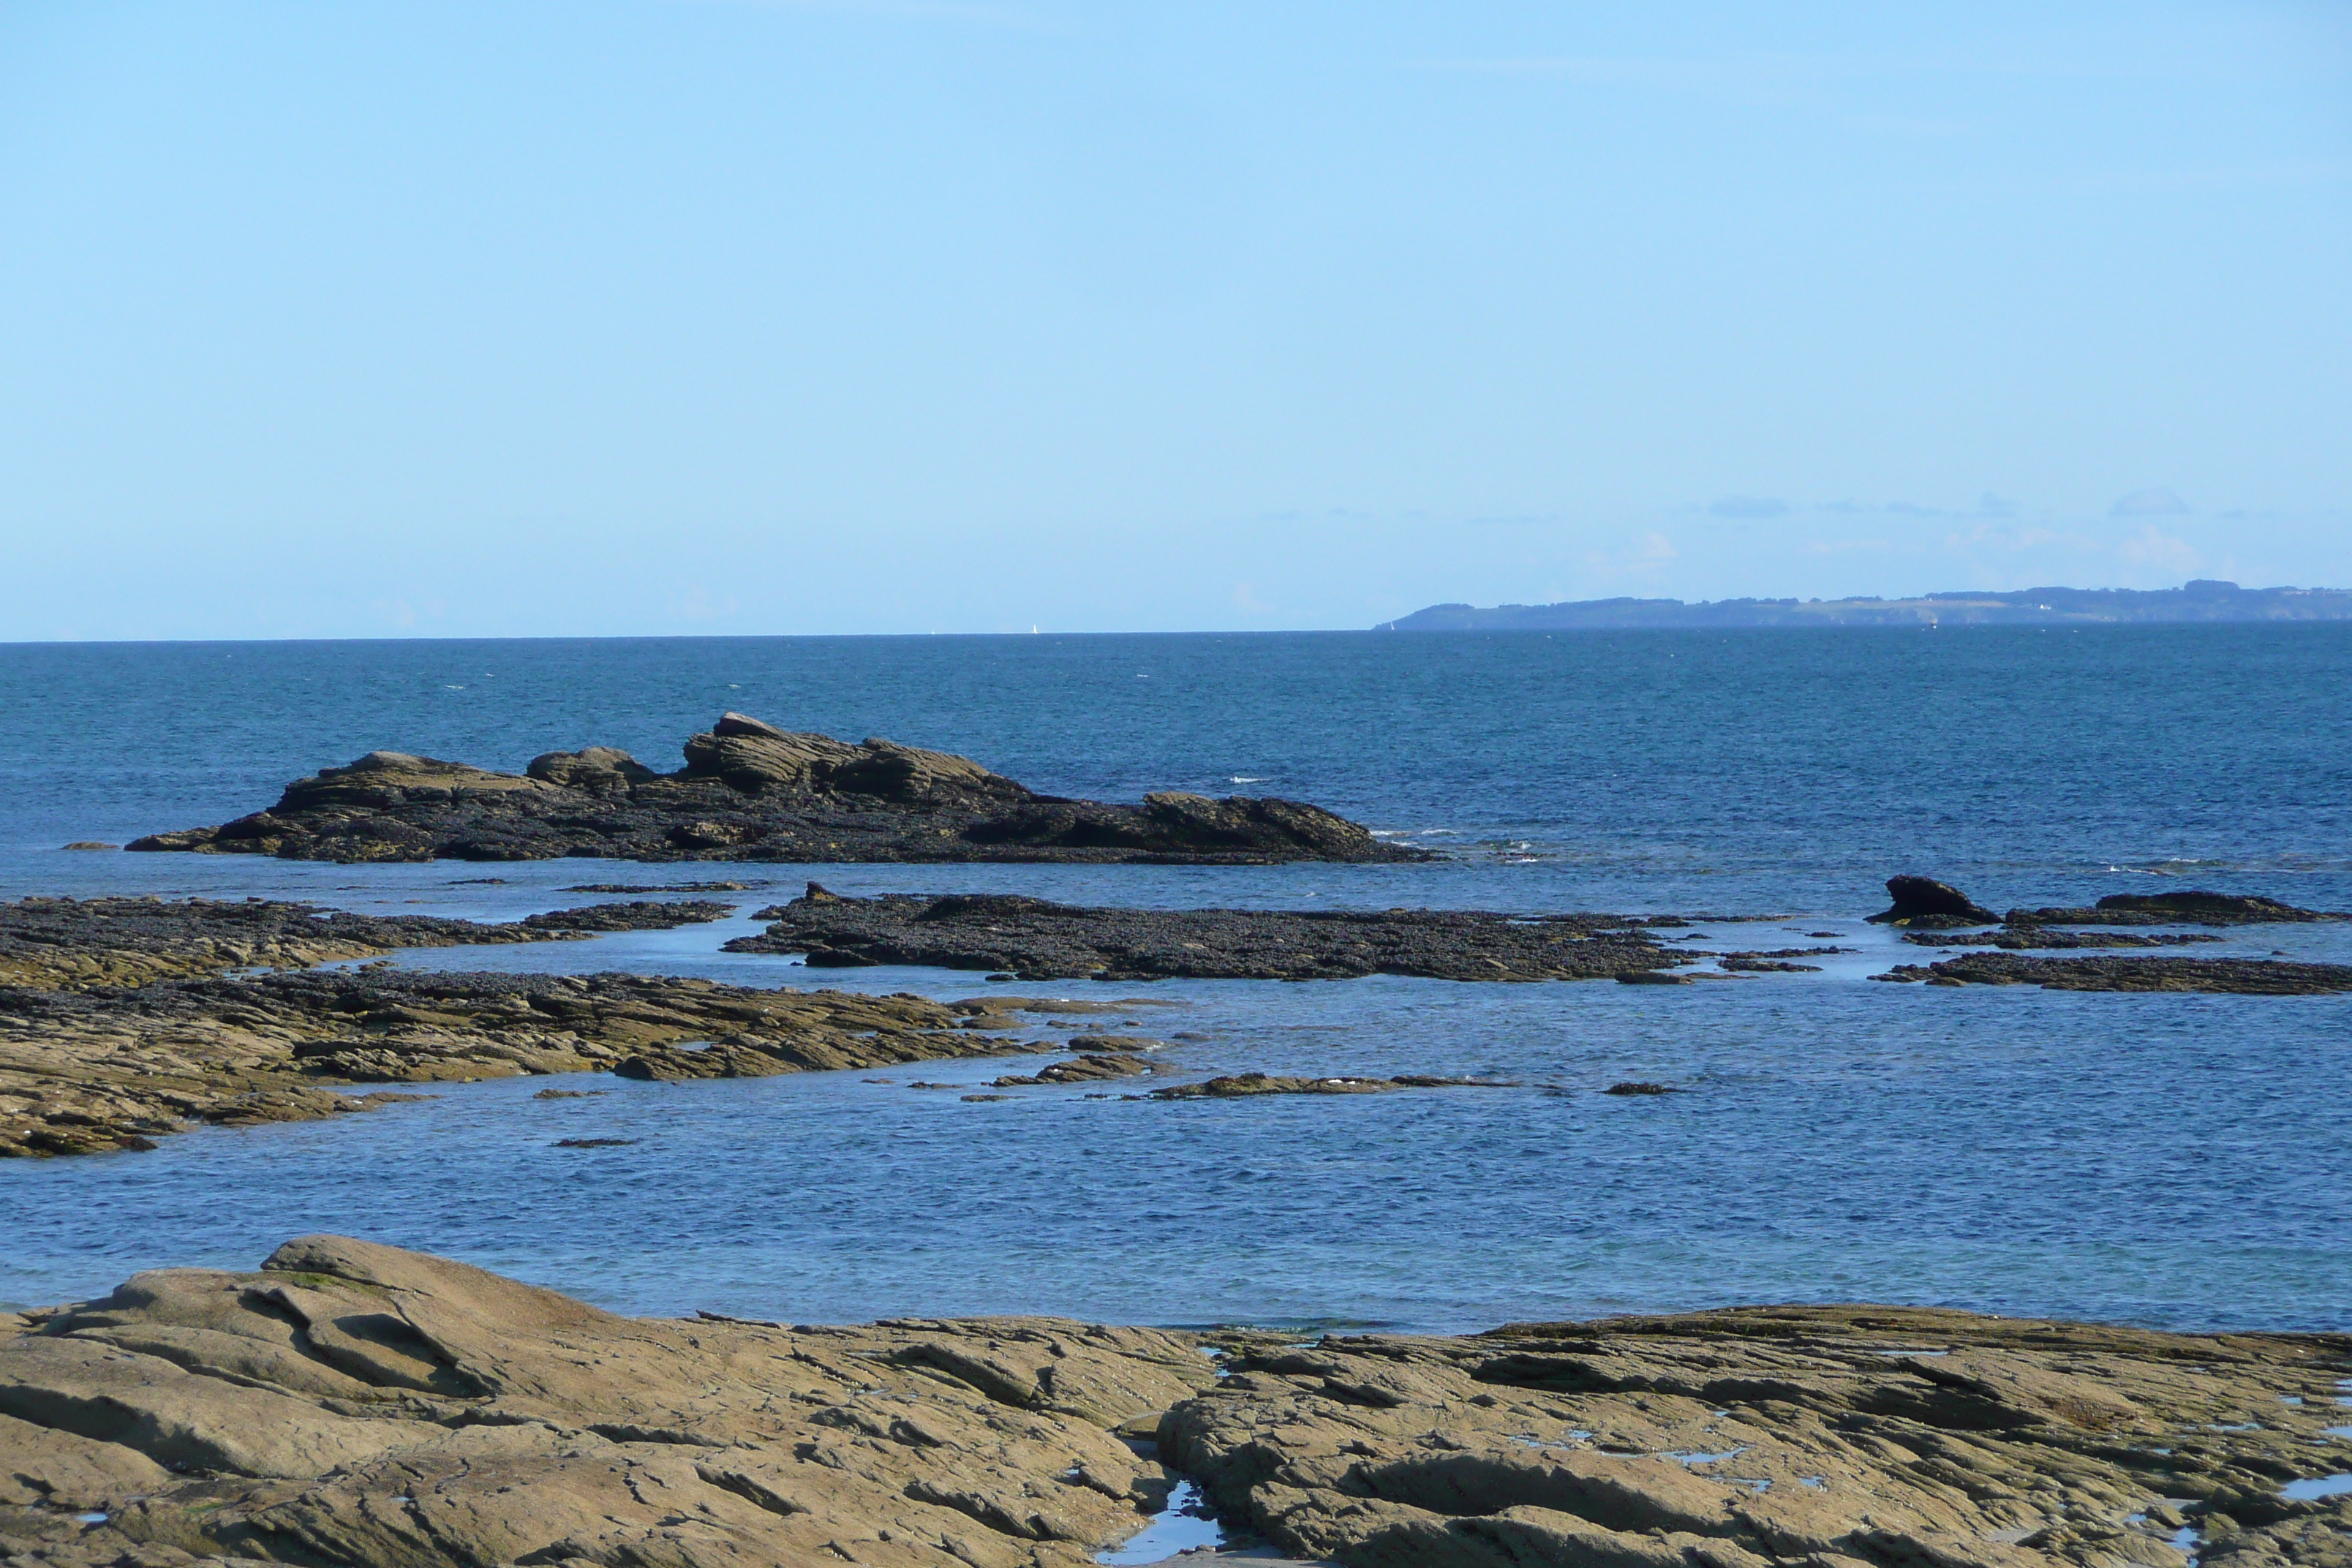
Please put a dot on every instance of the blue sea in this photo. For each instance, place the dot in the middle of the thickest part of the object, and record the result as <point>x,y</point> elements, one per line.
<point>2178,1161</point>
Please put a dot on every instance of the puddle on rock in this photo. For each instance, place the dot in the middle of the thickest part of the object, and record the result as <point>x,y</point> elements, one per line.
<point>2316,1488</point>
<point>1184,1525</point>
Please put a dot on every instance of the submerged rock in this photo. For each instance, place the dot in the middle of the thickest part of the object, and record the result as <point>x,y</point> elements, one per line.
<point>1924,902</point>
<point>751,792</point>
<point>1244,1086</point>
<point>1038,939</point>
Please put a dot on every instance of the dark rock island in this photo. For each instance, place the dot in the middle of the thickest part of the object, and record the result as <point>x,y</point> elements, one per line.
<point>1037,940</point>
<point>751,792</point>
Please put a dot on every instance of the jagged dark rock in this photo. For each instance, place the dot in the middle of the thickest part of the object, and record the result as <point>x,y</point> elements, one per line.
<point>1924,901</point>
<point>1042,941</point>
<point>2243,977</point>
<point>751,792</point>
<point>2192,908</point>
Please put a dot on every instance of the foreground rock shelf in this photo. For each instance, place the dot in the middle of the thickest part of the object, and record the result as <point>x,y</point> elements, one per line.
<point>751,792</point>
<point>354,1405</point>
<point>1036,939</point>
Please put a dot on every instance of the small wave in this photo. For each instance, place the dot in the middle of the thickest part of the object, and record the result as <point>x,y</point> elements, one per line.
<point>1244,778</point>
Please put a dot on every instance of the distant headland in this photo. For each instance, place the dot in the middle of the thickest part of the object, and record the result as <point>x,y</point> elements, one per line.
<point>2200,600</point>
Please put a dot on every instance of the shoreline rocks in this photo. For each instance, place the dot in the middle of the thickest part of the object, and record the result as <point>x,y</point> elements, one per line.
<point>749,791</point>
<point>125,1019</point>
<point>1037,940</point>
<point>356,1405</point>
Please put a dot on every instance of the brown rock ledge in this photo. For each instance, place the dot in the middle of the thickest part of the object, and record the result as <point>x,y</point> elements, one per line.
<point>49,944</point>
<point>356,1405</point>
<point>751,792</point>
<point>89,1072</point>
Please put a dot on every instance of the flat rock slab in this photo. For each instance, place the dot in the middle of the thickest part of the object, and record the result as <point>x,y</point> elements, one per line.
<point>355,1404</point>
<point>645,914</point>
<point>2189,908</point>
<point>95,1071</point>
<point>2026,938</point>
<point>2243,977</point>
<point>52,942</point>
<point>749,791</point>
<point>1834,1437</point>
<point>1037,940</point>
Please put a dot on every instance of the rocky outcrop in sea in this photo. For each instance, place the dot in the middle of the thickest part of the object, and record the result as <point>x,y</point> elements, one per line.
<point>355,1404</point>
<point>2240,976</point>
<point>751,792</point>
<point>123,1020</point>
<point>1035,939</point>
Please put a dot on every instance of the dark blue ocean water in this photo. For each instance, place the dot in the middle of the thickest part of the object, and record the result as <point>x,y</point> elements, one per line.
<point>2181,1161</point>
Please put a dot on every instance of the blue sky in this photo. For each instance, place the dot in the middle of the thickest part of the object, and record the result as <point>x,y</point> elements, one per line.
<point>695,315</point>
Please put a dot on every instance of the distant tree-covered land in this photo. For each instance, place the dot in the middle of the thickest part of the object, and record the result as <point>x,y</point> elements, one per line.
<point>2202,601</point>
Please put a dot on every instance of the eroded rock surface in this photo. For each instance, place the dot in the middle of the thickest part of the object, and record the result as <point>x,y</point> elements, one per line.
<point>1038,939</point>
<point>2244,976</point>
<point>354,1405</point>
<point>1833,1437</point>
<point>751,792</point>
<point>91,1071</point>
